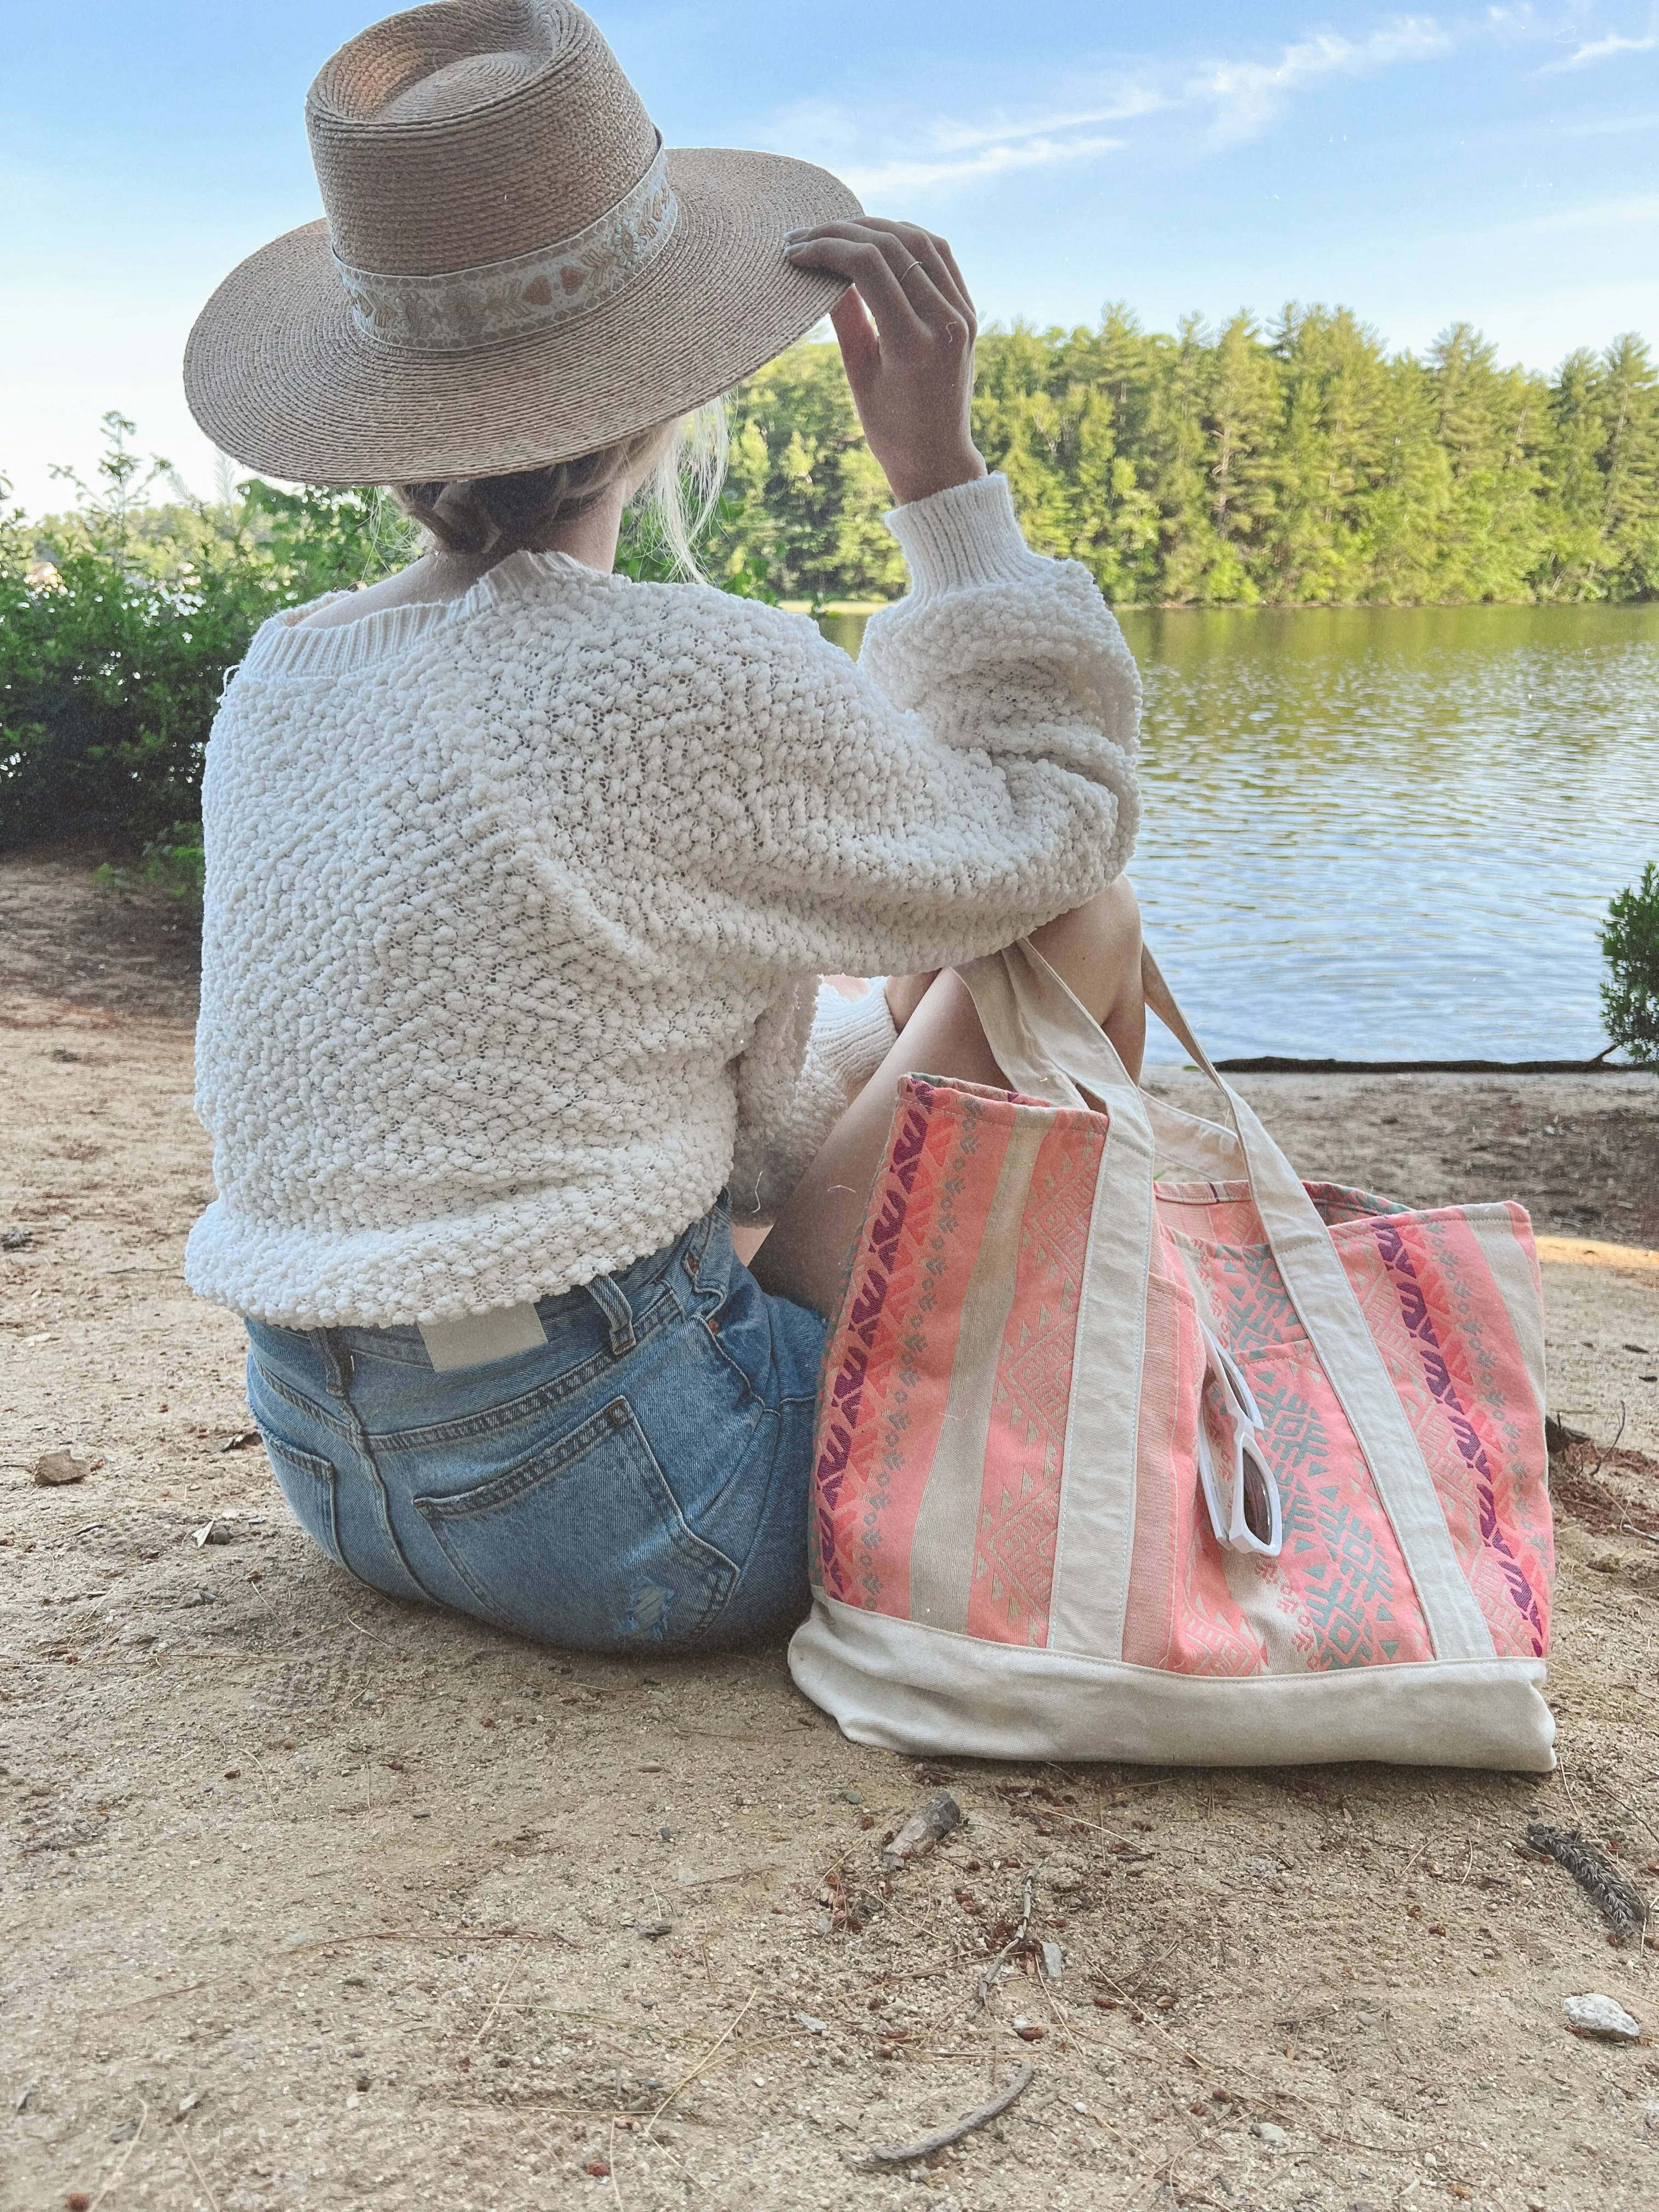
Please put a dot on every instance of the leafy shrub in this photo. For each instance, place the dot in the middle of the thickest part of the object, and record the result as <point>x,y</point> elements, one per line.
<point>174,865</point>
<point>120,622</point>
<point>1630,996</point>
<point>642,554</point>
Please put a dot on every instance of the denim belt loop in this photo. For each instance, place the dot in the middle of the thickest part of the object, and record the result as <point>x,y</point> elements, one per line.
<point>619,1314</point>
<point>701,1236</point>
<point>337,1365</point>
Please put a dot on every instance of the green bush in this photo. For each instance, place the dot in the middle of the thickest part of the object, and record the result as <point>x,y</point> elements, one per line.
<point>175,865</point>
<point>120,622</point>
<point>1630,997</point>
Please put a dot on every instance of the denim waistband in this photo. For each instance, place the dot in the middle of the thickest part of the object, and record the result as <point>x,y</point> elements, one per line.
<point>698,1252</point>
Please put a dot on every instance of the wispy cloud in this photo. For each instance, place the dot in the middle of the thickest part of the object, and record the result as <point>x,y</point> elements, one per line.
<point>1601,49</point>
<point>922,174</point>
<point>1639,211</point>
<point>1225,102</point>
<point>1246,96</point>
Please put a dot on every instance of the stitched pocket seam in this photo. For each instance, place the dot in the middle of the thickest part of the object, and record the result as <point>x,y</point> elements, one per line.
<point>455,1510</point>
<point>321,1471</point>
<point>311,1408</point>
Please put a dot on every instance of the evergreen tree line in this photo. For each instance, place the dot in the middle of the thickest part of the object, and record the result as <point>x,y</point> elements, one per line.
<point>1301,463</point>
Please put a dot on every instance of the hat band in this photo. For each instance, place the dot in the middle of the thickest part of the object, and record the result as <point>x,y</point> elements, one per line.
<point>535,291</point>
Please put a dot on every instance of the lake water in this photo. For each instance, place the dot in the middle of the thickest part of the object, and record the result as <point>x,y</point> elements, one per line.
<point>1389,832</point>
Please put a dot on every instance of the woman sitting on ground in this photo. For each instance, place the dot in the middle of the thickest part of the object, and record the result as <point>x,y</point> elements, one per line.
<point>522,876</point>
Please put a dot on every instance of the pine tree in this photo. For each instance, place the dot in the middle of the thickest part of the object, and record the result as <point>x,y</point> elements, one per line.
<point>1178,453</point>
<point>1333,456</point>
<point>1242,414</point>
<point>1577,555</point>
<point>805,494</point>
<point>1490,424</point>
<point>1630,407</point>
<point>1406,510</point>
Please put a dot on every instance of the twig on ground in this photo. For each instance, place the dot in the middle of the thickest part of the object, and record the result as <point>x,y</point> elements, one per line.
<point>1065,1814</point>
<point>686,2080</point>
<point>993,1974</point>
<point>121,2163</point>
<point>941,2138</point>
<point>258,1767</point>
<point>458,1935</point>
<point>1608,1450</point>
<point>369,1632</point>
<point>518,1962</point>
<point>1421,1845</point>
<point>1162,2177</point>
<point>1567,1783</point>
<point>1631,1812</point>
<point>1146,2021</point>
<point>1618,1902</point>
<point>184,2145</point>
<point>1056,2010</point>
<point>158,1996</point>
<point>610,2162</point>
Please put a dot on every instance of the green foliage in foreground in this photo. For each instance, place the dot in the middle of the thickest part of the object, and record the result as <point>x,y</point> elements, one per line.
<point>1630,996</point>
<point>119,623</point>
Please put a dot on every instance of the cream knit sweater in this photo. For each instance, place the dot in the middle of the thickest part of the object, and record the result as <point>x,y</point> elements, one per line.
<point>516,905</point>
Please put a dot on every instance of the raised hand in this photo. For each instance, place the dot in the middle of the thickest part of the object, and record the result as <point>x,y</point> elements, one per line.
<point>907,331</point>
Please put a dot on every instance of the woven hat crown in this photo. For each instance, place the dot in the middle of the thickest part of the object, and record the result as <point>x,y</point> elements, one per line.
<point>470,130</point>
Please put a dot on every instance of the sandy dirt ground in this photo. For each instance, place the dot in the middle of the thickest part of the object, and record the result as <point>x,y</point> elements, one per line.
<point>312,1899</point>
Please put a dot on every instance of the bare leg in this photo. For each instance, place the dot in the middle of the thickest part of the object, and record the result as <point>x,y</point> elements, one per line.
<point>1098,950</point>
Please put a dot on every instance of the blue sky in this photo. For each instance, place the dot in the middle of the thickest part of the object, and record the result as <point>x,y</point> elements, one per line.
<point>1497,164</point>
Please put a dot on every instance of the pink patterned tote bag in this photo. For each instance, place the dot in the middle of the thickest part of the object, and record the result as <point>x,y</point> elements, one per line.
<point>1133,1446</point>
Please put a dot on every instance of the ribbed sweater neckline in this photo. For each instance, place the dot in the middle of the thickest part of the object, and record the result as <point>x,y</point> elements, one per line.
<point>287,645</point>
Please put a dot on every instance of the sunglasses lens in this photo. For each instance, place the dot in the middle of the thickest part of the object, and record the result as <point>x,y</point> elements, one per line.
<point>1258,1510</point>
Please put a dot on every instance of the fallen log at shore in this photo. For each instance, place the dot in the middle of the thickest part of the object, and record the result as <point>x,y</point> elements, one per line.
<point>1273,1064</point>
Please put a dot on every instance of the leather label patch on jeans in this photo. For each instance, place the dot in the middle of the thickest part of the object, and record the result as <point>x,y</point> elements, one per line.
<point>476,1339</point>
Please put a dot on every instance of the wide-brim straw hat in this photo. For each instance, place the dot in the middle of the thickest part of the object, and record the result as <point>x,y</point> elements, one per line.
<point>513,269</point>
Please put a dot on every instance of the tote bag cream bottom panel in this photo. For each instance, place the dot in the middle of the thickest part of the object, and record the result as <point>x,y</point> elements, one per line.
<point>927,1690</point>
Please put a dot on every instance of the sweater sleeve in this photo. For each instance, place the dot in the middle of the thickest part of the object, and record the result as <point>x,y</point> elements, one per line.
<point>970,778</point>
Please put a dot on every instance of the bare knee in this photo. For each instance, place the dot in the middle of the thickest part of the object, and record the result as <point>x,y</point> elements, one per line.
<point>1096,948</point>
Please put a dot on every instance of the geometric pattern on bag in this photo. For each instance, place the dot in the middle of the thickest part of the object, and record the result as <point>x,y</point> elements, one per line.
<point>1019,1492</point>
<point>1425,1287</point>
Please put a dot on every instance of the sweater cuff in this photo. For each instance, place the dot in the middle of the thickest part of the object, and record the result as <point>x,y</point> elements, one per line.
<point>852,1036</point>
<point>962,536</point>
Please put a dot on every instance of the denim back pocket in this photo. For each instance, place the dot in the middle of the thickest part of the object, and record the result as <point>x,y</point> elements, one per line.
<point>310,1486</point>
<point>581,1542</point>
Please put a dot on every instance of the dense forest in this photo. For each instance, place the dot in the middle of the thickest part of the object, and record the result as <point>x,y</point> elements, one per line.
<point>1239,465</point>
<point>1236,465</point>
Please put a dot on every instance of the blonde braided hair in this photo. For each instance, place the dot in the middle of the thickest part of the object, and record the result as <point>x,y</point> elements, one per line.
<point>519,512</point>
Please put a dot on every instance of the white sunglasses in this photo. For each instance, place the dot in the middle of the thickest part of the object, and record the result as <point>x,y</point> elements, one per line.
<point>1252,1518</point>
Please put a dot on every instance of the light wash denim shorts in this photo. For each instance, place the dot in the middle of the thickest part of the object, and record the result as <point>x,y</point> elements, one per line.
<point>640,1481</point>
